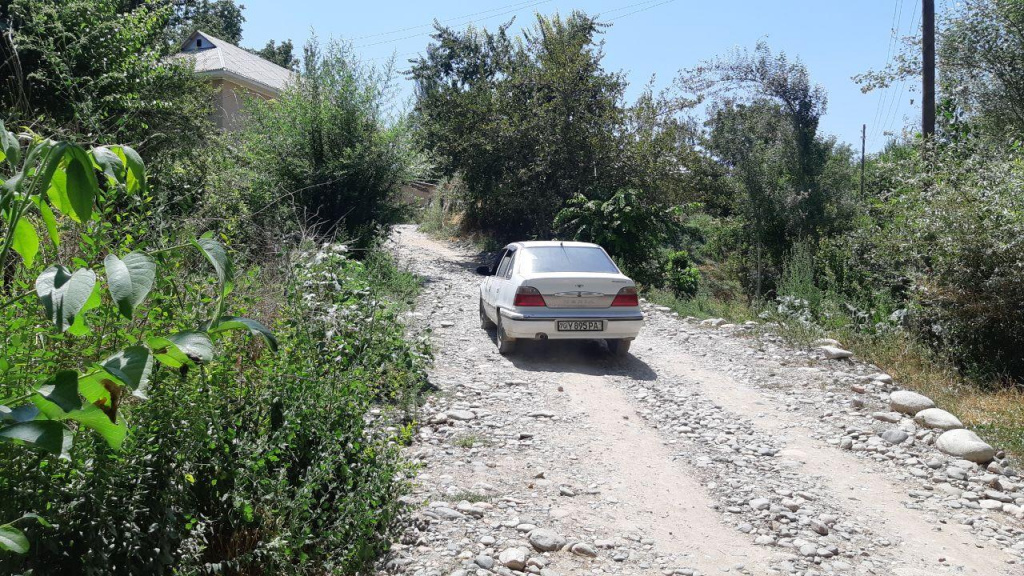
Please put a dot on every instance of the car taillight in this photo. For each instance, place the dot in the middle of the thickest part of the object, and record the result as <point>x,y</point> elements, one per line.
<point>528,296</point>
<point>626,297</point>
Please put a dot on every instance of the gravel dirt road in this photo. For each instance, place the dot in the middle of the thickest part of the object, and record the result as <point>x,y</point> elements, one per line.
<point>708,450</point>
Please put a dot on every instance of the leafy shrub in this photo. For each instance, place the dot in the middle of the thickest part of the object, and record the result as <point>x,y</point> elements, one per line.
<point>681,277</point>
<point>797,280</point>
<point>628,225</point>
<point>268,464</point>
<point>967,234</point>
<point>328,146</point>
<point>264,464</point>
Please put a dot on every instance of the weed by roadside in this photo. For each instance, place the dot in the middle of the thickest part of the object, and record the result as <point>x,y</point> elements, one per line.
<point>469,441</point>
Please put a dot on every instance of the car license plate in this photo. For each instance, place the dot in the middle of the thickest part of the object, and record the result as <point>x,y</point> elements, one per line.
<point>580,325</point>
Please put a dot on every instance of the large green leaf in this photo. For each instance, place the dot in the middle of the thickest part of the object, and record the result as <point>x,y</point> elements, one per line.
<point>81,183</point>
<point>79,327</point>
<point>48,218</point>
<point>189,347</point>
<point>132,366</point>
<point>64,294</point>
<point>26,241</point>
<point>100,415</point>
<point>135,175</point>
<point>13,540</point>
<point>9,147</point>
<point>49,435</point>
<point>53,156</point>
<point>104,422</point>
<point>130,280</point>
<point>72,190</point>
<point>226,323</point>
<point>218,256</point>
<point>62,390</point>
<point>108,162</point>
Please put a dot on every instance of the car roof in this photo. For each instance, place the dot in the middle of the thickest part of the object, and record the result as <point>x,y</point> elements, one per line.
<point>542,243</point>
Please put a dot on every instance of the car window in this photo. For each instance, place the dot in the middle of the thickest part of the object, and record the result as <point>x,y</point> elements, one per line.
<point>511,266</point>
<point>539,259</point>
<point>504,264</point>
<point>497,262</point>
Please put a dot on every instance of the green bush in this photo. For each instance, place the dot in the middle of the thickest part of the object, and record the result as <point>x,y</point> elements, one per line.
<point>629,226</point>
<point>681,276</point>
<point>265,464</point>
<point>282,463</point>
<point>329,147</point>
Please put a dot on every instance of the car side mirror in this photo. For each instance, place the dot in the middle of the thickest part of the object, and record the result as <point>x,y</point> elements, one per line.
<point>483,270</point>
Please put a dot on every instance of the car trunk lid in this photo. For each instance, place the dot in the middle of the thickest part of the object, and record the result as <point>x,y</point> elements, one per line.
<point>578,289</point>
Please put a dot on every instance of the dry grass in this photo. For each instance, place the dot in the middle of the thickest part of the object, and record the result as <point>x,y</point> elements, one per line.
<point>993,409</point>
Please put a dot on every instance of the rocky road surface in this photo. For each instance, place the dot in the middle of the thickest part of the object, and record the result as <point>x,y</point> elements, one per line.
<point>708,450</point>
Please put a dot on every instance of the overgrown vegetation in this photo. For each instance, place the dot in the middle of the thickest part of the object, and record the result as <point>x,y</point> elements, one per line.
<point>139,433</point>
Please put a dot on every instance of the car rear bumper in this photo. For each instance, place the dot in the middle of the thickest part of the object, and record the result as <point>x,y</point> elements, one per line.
<point>543,324</point>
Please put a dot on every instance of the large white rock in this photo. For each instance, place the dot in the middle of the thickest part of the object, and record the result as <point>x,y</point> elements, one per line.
<point>909,402</point>
<point>513,558</point>
<point>545,540</point>
<point>965,444</point>
<point>835,353</point>
<point>938,418</point>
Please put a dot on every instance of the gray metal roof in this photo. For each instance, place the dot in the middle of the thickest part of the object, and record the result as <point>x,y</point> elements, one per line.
<point>218,58</point>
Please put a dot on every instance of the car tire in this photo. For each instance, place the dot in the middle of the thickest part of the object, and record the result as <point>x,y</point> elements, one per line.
<point>506,344</point>
<point>619,348</point>
<point>485,322</point>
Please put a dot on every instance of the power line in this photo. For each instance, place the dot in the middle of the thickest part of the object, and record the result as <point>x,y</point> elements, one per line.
<point>640,10</point>
<point>894,107</point>
<point>883,93</point>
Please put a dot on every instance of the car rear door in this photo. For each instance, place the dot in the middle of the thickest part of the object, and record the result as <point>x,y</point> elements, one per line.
<point>491,284</point>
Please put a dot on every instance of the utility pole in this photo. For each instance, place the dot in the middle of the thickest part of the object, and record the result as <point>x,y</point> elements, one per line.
<point>928,68</point>
<point>863,146</point>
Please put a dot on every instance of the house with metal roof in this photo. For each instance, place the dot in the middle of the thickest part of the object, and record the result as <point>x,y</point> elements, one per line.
<point>233,72</point>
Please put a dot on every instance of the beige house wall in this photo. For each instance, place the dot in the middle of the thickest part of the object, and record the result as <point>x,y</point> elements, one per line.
<point>229,98</point>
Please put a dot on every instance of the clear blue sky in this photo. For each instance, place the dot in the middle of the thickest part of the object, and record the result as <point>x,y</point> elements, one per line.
<point>835,39</point>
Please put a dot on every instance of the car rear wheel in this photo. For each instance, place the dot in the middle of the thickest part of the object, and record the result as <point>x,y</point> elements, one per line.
<point>485,322</point>
<point>506,344</point>
<point>619,348</point>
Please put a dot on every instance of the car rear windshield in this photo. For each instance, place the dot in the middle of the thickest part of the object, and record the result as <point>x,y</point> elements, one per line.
<point>540,259</point>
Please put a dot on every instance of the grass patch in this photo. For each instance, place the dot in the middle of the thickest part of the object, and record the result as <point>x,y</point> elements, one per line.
<point>469,441</point>
<point>703,305</point>
<point>471,497</point>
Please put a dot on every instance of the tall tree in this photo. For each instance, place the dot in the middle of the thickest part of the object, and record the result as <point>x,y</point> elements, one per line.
<point>529,123</point>
<point>764,126</point>
<point>220,18</point>
<point>282,54</point>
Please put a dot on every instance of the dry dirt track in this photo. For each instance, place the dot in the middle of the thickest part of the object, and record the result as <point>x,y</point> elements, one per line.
<point>707,451</point>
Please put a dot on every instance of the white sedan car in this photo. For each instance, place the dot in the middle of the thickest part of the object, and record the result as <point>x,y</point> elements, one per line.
<point>558,290</point>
